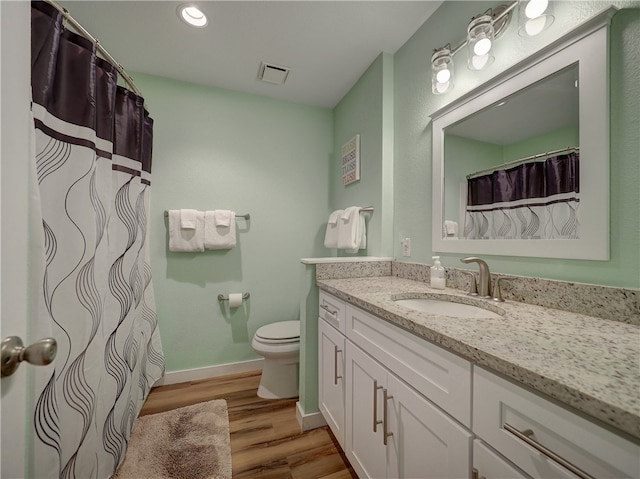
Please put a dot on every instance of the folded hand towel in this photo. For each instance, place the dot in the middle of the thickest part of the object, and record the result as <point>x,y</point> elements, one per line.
<point>333,217</point>
<point>363,233</point>
<point>331,234</point>
<point>350,230</point>
<point>450,228</point>
<point>188,219</point>
<point>219,237</point>
<point>185,240</point>
<point>223,217</point>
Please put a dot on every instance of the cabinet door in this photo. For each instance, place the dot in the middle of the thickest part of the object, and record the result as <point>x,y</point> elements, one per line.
<point>490,465</point>
<point>331,377</point>
<point>426,443</point>
<point>365,380</point>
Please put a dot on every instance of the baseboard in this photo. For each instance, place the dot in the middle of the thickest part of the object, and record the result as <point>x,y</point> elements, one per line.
<point>187,375</point>
<point>309,421</point>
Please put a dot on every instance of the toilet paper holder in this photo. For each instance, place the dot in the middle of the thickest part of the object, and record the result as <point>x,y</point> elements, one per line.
<point>222,297</point>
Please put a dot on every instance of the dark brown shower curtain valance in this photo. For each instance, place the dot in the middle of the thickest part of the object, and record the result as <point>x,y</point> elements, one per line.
<point>75,85</point>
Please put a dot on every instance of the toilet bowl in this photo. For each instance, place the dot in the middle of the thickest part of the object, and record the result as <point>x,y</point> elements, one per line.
<point>279,344</point>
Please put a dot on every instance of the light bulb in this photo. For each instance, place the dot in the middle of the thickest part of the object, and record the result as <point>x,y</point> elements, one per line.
<point>479,61</point>
<point>443,76</point>
<point>535,25</point>
<point>442,87</point>
<point>193,16</point>
<point>535,8</point>
<point>482,46</point>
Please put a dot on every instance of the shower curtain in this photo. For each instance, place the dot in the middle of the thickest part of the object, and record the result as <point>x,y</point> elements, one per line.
<point>92,166</point>
<point>534,200</point>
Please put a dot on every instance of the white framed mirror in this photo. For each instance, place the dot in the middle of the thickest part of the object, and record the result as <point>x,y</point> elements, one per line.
<point>550,109</point>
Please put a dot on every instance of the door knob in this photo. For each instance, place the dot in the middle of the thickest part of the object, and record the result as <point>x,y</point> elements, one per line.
<point>40,353</point>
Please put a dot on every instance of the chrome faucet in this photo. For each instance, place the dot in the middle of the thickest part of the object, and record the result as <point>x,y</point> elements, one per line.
<point>484,281</point>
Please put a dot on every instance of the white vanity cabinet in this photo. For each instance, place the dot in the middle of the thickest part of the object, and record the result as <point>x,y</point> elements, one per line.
<point>489,465</point>
<point>393,430</point>
<point>403,407</point>
<point>544,439</point>
<point>331,390</point>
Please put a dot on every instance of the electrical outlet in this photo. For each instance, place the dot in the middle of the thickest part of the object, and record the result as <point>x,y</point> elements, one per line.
<point>406,247</point>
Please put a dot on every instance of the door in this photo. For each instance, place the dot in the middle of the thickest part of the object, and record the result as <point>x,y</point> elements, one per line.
<point>15,152</point>
<point>426,443</point>
<point>366,382</point>
<point>331,377</point>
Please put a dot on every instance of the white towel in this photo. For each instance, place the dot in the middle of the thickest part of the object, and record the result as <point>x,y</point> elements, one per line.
<point>219,237</point>
<point>331,234</point>
<point>363,233</point>
<point>185,240</point>
<point>223,217</point>
<point>450,228</point>
<point>351,230</point>
<point>188,219</point>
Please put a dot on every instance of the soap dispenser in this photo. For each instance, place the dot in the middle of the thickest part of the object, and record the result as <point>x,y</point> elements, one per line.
<point>438,280</point>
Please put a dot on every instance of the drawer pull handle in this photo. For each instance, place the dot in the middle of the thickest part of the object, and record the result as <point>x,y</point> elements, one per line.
<point>475,474</point>
<point>332,314</point>
<point>525,436</point>
<point>375,405</point>
<point>335,365</point>
<point>385,417</point>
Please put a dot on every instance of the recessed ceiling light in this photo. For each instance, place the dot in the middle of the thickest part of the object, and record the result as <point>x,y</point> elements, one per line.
<point>192,15</point>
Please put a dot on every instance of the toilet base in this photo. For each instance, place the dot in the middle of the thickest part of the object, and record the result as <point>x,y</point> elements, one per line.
<point>279,380</point>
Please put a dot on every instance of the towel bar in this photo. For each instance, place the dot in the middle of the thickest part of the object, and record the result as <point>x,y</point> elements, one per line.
<point>246,216</point>
<point>226,298</point>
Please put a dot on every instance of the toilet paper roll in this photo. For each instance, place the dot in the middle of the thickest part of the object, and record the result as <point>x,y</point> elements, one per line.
<point>235,300</point>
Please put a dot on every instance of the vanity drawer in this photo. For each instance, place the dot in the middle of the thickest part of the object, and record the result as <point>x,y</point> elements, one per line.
<point>440,376</point>
<point>502,408</point>
<point>332,310</point>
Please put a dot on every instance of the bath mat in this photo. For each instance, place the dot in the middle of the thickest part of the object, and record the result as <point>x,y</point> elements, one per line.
<point>189,442</point>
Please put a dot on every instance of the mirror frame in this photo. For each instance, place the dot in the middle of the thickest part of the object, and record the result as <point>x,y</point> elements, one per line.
<point>586,45</point>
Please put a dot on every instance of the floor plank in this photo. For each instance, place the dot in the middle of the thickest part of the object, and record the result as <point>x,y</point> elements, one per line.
<point>266,441</point>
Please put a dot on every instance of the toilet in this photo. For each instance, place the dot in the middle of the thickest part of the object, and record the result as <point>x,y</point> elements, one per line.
<point>279,344</point>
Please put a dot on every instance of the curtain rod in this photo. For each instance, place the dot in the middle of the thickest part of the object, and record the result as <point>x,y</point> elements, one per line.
<point>522,160</point>
<point>83,31</point>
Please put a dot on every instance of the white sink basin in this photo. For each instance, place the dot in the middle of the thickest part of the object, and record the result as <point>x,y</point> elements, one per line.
<point>447,308</point>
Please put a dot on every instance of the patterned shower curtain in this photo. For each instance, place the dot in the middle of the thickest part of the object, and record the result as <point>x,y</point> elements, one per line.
<point>93,162</point>
<point>534,200</point>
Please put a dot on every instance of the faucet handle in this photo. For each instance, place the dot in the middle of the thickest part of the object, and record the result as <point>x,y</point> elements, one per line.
<point>498,292</point>
<point>473,286</point>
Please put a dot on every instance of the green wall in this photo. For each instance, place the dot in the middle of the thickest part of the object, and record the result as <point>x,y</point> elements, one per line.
<point>368,110</point>
<point>217,149</point>
<point>414,102</point>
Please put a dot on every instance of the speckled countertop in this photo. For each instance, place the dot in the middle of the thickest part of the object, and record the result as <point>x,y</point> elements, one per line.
<point>590,364</point>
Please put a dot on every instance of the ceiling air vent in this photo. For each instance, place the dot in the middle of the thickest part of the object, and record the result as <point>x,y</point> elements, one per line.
<point>273,73</point>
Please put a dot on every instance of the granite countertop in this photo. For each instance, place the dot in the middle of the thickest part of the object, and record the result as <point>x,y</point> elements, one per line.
<point>587,363</point>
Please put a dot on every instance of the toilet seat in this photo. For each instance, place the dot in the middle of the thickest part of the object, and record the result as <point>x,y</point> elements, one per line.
<point>280,332</point>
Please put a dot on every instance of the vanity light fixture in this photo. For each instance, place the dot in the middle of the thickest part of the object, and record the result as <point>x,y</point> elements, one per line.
<point>480,36</point>
<point>442,70</point>
<point>534,16</point>
<point>192,15</point>
<point>482,32</point>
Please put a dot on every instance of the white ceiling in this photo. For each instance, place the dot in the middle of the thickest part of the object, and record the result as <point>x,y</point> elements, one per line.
<point>327,44</point>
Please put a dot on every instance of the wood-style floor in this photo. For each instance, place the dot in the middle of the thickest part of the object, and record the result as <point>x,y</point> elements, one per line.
<point>266,441</point>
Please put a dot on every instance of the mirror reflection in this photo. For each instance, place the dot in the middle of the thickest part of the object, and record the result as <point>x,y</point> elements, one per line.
<point>511,170</point>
